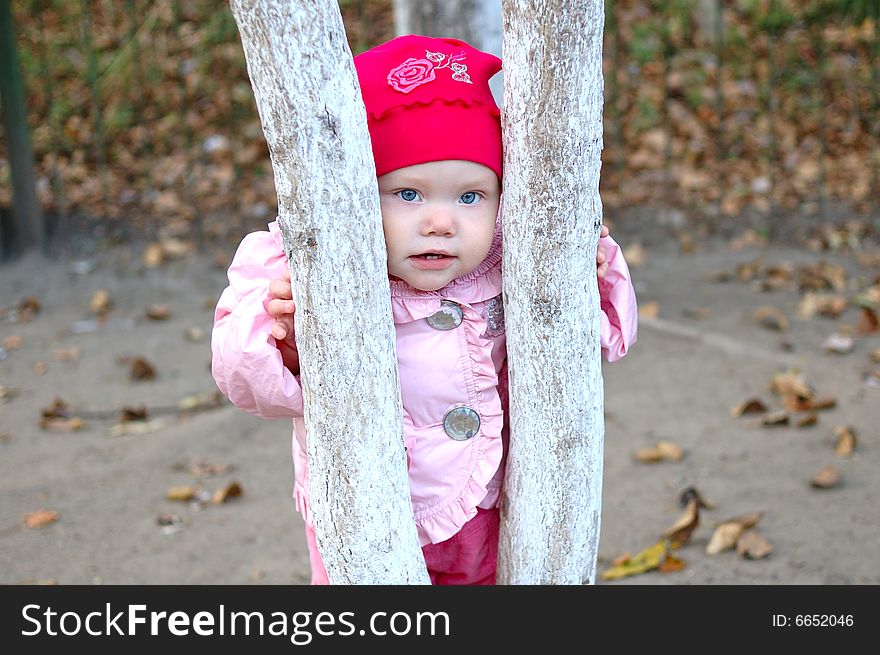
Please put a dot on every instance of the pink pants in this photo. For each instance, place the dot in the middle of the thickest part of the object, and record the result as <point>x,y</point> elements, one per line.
<point>468,557</point>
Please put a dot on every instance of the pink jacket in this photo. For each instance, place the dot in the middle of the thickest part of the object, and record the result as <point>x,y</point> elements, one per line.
<point>452,360</point>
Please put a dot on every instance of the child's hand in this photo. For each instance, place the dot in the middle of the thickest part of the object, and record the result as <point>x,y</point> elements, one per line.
<point>281,308</point>
<point>601,264</point>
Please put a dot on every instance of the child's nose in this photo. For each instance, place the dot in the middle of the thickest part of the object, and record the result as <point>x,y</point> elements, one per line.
<point>439,221</point>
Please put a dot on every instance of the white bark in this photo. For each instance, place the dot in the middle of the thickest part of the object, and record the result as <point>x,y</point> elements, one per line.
<point>552,213</point>
<point>476,21</point>
<point>312,114</point>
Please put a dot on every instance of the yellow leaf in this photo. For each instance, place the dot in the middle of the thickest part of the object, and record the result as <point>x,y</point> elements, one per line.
<point>40,518</point>
<point>647,560</point>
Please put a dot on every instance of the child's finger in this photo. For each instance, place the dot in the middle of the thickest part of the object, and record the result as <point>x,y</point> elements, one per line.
<point>602,270</point>
<point>280,308</point>
<point>603,232</point>
<point>280,289</point>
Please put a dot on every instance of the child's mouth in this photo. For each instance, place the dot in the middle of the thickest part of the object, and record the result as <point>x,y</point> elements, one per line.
<point>431,260</point>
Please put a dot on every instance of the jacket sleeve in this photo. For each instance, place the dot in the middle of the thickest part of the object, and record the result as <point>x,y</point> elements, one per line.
<point>246,363</point>
<point>617,300</point>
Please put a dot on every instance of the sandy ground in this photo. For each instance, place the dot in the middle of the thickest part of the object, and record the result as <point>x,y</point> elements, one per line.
<point>702,355</point>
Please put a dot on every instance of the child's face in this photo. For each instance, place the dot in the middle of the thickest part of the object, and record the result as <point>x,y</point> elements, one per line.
<point>439,220</point>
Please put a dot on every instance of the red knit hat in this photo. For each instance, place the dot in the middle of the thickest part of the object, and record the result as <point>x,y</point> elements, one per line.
<point>428,100</point>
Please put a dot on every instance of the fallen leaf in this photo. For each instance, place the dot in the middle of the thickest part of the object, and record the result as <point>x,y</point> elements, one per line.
<point>101,302</point>
<point>28,306</point>
<point>750,406</point>
<point>670,564</point>
<point>773,419</point>
<point>158,312</point>
<point>72,424</point>
<point>635,255</point>
<point>808,419</point>
<point>649,309</point>
<point>141,369</point>
<point>868,322</point>
<point>680,532</point>
<point>840,344</point>
<point>208,400</point>
<point>823,402</point>
<point>194,334</point>
<point>875,354</point>
<point>724,537</point>
<point>845,440</point>
<point>183,493</point>
<point>691,493</point>
<point>7,393</point>
<point>138,427</point>
<point>828,305</point>
<point>826,478</point>
<point>138,413</point>
<point>647,560</point>
<point>663,450</point>
<point>771,317</point>
<point>791,382</point>
<point>13,342</point>
<point>751,545</point>
<point>153,256</point>
<point>66,354</point>
<point>728,532</point>
<point>40,518</point>
<point>231,490</point>
<point>58,409</point>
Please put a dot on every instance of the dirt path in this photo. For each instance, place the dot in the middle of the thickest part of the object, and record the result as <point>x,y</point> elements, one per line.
<point>699,357</point>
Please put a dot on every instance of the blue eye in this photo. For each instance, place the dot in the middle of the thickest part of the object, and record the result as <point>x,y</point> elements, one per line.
<point>469,198</point>
<point>408,195</point>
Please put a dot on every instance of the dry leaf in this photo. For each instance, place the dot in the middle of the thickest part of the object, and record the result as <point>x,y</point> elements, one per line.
<point>7,392</point>
<point>868,322</point>
<point>751,545</point>
<point>12,342</point>
<point>29,306</point>
<point>40,518</point>
<point>208,400</point>
<point>771,317</point>
<point>750,406</point>
<point>692,493</point>
<point>826,478</point>
<point>827,305</point>
<point>101,302</point>
<point>724,537</point>
<point>670,564</point>
<point>141,369</point>
<point>845,440</point>
<point>58,409</point>
<point>66,354</point>
<point>663,450</point>
<point>158,312</point>
<point>680,532</point>
<point>62,424</point>
<point>153,256</point>
<point>183,493</point>
<point>231,490</point>
<point>194,334</point>
<point>649,309</point>
<point>823,402</point>
<point>811,418</point>
<point>791,382</point>
<point>772,419</point>
<point>728,532</point>
<point>647,560</point>
<point>840,344</point>
<point>138,427</point>
<point>875,354</point>
<point>138,413</point>
<point>635,255</point>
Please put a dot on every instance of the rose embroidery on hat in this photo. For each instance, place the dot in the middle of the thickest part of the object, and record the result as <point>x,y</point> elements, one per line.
<point>412,73</point>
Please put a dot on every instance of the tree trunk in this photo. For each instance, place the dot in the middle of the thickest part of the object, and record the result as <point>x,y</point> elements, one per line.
<point>476,21</point>
<point>26,228</point>
<point>551,216</point>
<point>313,118</point>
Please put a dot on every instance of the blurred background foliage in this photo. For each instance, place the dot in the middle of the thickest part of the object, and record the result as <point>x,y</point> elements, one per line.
<point>143,122</point>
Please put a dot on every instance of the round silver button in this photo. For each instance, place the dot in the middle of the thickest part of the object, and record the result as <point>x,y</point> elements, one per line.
<point>448,317</point>
<point>461,423</point>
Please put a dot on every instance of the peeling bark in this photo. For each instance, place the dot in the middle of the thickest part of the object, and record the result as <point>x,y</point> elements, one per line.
<point>551,217</point>
<point>312,114</point>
